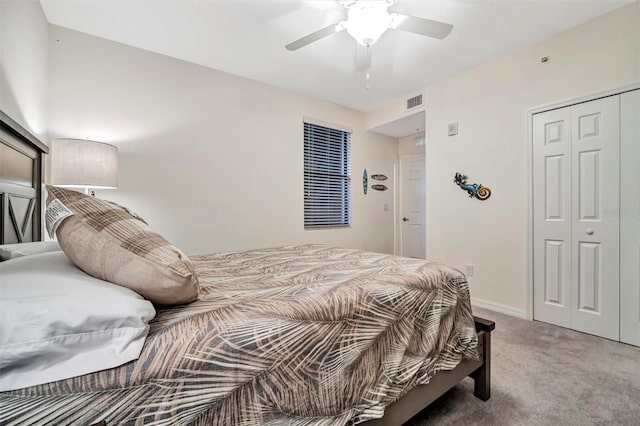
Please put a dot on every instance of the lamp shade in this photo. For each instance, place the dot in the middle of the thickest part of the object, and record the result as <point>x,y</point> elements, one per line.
<point>78,163</point>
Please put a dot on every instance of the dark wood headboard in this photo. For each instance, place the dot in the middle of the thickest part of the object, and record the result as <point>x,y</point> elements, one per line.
<point>20,183</point>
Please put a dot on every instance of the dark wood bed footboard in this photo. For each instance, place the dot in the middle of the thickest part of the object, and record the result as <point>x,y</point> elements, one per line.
<point>421,396</point>
<point>482,375</point>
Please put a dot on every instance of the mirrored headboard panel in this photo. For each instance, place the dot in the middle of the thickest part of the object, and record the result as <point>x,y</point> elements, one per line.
<point>20,183</point>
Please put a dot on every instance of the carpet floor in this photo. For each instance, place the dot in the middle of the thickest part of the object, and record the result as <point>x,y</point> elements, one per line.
<point>546,375</point>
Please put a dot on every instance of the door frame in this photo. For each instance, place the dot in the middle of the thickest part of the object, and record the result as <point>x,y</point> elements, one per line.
<point>398,221</point>
<point>529,156</point>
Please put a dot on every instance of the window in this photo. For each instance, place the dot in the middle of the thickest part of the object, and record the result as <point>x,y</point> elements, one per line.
<point>327,177</point>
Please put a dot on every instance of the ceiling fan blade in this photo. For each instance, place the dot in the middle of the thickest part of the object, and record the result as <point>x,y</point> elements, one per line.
<point>315,36</point>
<point>363,57</point>
<point>425,27</point>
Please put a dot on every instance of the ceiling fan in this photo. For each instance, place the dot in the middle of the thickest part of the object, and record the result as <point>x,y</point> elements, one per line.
<point>367,20</point>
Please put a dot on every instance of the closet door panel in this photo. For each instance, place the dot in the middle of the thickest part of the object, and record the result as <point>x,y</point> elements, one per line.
<point>630,218</point>
<point>552,216</point>
<point>595,193</point>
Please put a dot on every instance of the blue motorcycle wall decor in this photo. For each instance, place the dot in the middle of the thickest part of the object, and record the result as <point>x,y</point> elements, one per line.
<point>475,190</point>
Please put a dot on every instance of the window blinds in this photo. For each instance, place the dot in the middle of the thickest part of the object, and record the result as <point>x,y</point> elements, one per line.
<point>327,177</point>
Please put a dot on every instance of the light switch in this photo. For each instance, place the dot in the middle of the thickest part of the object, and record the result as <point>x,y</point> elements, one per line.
<point>453,129</point>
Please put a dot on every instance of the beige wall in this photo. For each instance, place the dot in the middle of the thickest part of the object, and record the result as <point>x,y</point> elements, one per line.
<point>23,64</point>
<point>490,104</point>
<point>212,161</point>
<point>406,145</point>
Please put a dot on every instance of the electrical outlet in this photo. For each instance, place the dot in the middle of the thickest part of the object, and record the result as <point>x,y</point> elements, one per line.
<point>385,207</point>
<point>468,270</point>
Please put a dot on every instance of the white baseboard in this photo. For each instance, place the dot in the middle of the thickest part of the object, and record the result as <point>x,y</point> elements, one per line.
<point>497,307</point>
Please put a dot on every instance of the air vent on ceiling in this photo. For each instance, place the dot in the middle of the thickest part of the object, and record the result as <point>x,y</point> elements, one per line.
<point>414,102</point>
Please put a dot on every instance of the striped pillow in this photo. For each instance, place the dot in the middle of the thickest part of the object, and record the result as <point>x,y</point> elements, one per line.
<point>109,242</point>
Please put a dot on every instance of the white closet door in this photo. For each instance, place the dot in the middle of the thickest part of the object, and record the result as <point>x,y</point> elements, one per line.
<point>630,218</point>
<point>595,193</point>
<point>576,199</point>
<point>552,216</point>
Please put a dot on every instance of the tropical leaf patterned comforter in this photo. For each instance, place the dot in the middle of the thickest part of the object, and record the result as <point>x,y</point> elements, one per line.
<point>304,335</point>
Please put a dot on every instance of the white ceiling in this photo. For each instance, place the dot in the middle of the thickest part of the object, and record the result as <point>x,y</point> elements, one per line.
<point>247,38</point>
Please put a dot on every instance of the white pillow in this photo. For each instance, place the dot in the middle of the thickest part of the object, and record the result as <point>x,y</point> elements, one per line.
<point>57,322</point>
<point>12,251</point>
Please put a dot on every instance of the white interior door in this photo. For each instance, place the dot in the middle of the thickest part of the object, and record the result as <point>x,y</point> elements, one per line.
<point>552,217</point>
<point>596,223</point>
<point>412,206</point>
<point>576,233</point>
<point>630,218</point>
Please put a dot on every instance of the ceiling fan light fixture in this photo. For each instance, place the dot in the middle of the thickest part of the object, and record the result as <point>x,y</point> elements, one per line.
<point>367,21</point>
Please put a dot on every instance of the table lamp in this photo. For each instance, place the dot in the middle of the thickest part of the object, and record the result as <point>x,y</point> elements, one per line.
<point>78,163</point>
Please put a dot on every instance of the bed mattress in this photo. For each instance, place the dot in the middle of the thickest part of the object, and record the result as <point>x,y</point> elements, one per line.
<point>300,335</point>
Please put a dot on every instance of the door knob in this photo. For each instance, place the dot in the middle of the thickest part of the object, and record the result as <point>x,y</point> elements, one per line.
<point>405,219</point>
<point>589,231</point>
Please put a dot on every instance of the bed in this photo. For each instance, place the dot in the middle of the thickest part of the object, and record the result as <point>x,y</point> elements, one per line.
<point>303,334</point>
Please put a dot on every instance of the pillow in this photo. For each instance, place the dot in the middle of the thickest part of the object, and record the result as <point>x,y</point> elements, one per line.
<point>110,243</point>
<point>12,251</point>
<point>57,322</point>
